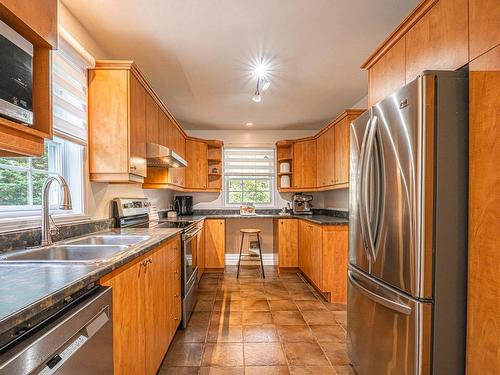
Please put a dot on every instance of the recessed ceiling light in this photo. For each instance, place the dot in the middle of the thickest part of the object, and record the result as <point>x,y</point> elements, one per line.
<point>249,124</point>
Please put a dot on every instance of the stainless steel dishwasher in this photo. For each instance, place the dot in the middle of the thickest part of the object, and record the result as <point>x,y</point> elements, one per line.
<point>77,341</point>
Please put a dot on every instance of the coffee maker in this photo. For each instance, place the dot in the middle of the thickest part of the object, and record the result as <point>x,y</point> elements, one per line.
<point>183,205</point>
<point>302,204</point>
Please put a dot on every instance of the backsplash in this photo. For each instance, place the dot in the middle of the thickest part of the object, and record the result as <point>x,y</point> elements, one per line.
<point>31,237</point>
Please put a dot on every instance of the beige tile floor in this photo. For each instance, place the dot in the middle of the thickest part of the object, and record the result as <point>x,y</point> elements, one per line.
<point>277,325</point>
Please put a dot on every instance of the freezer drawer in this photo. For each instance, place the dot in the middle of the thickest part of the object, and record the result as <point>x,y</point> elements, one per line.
<point>388,333</point>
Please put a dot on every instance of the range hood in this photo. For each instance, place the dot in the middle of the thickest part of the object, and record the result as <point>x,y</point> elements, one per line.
<point>163,157</point>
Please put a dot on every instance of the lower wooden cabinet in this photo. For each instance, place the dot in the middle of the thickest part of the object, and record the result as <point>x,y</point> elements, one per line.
<point>286,242</point>
<point>215,243</point>
<point>146,308</point>
<point>323,258</point>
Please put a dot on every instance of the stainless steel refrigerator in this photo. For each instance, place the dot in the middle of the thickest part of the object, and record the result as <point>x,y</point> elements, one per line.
<point>408,230</point>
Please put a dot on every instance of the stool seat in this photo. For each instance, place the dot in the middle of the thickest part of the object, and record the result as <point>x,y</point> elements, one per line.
<point>255,255</point>
<point>250,231</point>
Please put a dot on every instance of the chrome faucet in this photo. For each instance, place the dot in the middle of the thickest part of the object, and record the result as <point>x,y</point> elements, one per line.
<point>64,205</point>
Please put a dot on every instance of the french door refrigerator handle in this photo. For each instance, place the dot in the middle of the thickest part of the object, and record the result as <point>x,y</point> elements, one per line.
<point>361,184</point>
<point>364,187</point>
<point>390,304</point>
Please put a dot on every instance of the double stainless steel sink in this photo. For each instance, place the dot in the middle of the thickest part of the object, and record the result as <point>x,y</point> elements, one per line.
<point>93,248</point>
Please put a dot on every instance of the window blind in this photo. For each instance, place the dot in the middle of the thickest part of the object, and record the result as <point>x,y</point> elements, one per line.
<point>69,85</point>
<point>249,161</point>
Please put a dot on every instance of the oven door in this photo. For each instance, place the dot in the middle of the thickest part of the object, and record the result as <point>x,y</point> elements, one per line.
<point>189,272</point>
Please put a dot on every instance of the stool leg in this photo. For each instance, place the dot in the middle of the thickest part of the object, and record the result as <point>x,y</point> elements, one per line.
<point>260,253</point>
<point>239,258</point>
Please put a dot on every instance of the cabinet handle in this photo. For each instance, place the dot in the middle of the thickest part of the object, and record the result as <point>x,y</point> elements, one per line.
<point>134,167</point>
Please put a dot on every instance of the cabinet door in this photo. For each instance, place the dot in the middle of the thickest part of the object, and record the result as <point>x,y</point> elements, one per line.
<point>325,158</point>
<point>151,120</point>
<point>163,135</point>
<point>304,164</point>
<point>483,301</point>
<point>304,250</point>
<point>137,124</point>
<point>215,243</point>
<point>388,73</point>
<point>197,170</point>
<point>334,259</point>
<point>439,40</point>
<point>484,26</point>
<point>288,237</point>
<point>341,150</point>
<point>177,304</point>
<point>156,308</point>
<point>316,254</point>
<point>128,318</point>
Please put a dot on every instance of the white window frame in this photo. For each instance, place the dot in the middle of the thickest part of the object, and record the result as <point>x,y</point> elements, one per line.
<point>269,176</point>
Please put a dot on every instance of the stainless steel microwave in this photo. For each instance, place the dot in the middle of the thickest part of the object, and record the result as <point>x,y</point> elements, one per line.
<point>16,83</point>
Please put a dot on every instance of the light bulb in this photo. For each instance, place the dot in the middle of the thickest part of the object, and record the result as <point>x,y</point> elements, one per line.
<point>265,83</point>
<point>260,69</point>
<point>256,97</point>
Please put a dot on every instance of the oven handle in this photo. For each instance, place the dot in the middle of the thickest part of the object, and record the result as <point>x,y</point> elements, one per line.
<point>192,233</point>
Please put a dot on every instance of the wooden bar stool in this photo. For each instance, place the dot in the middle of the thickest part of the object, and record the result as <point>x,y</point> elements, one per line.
<point>251,232</point>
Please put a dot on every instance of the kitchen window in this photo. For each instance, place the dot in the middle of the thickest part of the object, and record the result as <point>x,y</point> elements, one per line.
<point>22,178</point>
<point>249,176</point>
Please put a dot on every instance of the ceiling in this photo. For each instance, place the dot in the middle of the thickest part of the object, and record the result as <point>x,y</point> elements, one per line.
<point>198,54</point>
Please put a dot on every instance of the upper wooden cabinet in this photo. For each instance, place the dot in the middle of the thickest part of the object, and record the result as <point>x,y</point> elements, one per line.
<point>304,164</point>
<point>388,74</point>
<point>152,124</point>
<point>197,158</point>
<point>119,111</point>
<point>320,162</point>
<point>36,21</point>
<point>341,150</point>
<point>484,26</point>
<point>434,36</point>
<point>439,40</point>
<point>326,158</point>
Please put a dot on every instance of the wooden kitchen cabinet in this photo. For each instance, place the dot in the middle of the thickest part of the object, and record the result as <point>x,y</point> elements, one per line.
<point>286,242</point>
<point>439,40</point>
<point>484,26</point>
<point>304,164</point>
<point>325,143</point>
<point>144,317</point>
<point>483,295</point>
<point>197,170</point>
<point>215,243</point>
<point>323,258</point>
<point>310,251</point>
<point>388,74</point>
<point>152,111</point>
<point>119,111</point>
<point>341,151</point>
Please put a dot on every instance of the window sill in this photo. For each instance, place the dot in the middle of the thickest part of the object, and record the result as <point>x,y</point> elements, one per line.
<point>9,224</point>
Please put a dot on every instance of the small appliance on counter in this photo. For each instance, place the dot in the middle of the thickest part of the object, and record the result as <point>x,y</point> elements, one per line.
<point>183,205</point>
<point>302,204</point>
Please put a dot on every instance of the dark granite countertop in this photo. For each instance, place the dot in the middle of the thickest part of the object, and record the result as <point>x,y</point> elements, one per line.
<point>316,219</point>
<point>28,289</point>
